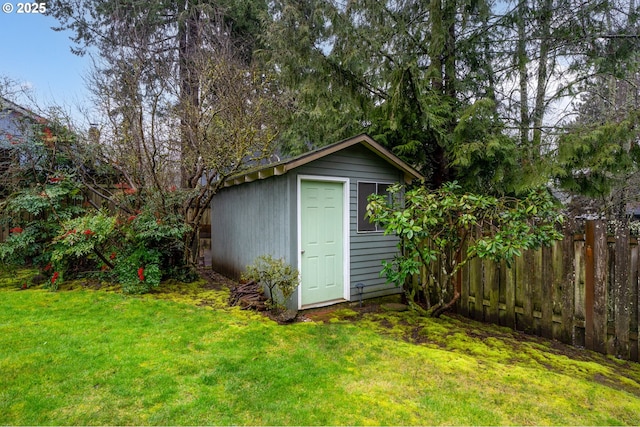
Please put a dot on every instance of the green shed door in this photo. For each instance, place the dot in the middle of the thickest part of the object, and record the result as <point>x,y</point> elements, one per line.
<point>321,241</point>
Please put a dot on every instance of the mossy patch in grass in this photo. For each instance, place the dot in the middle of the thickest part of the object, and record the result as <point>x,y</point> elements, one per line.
<point>198,293</point>
<point>92,357</point>
<point>14,279</point>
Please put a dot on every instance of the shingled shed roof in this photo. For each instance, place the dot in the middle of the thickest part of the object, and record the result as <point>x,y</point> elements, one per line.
<point>282,167</point>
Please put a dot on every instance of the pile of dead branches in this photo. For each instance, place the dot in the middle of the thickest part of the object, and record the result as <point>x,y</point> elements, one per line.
<point>249,296</point>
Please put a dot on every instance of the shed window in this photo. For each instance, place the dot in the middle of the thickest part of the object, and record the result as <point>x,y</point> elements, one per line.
<point>365,189</point>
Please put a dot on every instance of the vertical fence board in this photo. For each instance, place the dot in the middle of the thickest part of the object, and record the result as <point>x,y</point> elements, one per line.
<point>589,279</point>
<point>600,253</point>
<point>510,296</point>
<point>536,291</point>
<point>492,276</point>
<point>486,291</point>
<point>464,288</point>
<point>633,297</point>
<point>526,323</point>
<point>610,346</point>
<point>476,287</point>
<point>621,290</point>
<point>520,274</point>
<point>546,296</point>
<point>457,278</point>
<point>502,297</point>
<point>556,290</point>
<point>580,285</point>
<point>568,286</point>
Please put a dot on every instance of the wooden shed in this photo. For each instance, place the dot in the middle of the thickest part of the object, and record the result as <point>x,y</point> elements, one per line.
<point>309,210</point>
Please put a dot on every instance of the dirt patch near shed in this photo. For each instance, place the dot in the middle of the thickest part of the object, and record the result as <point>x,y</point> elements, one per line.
<point>215,281</point>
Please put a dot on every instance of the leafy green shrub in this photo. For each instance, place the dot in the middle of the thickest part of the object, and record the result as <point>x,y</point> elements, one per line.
<point>21,243</point>
<point>278,277</point>
<point>34,217</point>
<point>131,249</point>
<point>165,235</point>
<point>139,271</point>
<point>453,227</point>
<point>55,225</point>
<point>82,237</point>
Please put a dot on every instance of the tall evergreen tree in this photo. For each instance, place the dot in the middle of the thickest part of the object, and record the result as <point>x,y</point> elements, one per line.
<point>184,101</point>
<point>599,150</point>
<point>408,71</point>
<point>398,70</point>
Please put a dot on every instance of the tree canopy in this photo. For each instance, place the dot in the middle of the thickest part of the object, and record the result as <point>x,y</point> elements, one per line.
<point>454,87</point>
<point>500,97</point>
<point>182,100</point>
<point>477,91</point>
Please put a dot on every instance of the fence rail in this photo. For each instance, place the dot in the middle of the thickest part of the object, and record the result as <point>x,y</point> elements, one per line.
<point>583,291</point>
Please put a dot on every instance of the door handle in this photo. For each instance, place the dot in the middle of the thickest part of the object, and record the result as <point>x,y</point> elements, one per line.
<point>302,251</point>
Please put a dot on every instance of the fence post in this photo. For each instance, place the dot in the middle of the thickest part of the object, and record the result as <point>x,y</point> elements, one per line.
<point>599,291</point>
<point>621,289</point>
<point>633,299</point>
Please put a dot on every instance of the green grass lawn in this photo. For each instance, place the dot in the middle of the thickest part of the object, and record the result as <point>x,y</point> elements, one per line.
<point>98,357</point>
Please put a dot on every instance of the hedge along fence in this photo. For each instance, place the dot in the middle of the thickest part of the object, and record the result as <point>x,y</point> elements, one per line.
<point>583,291</point>
<point>205,232</point>
<point>205,227</point>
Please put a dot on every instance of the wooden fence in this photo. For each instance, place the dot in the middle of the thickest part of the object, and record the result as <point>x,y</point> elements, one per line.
<point>582,291</point>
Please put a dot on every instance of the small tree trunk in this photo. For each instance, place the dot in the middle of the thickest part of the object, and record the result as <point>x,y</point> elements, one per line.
<point>442,309</point>
<point>523,61</point>
<point>191,245</point>
<point>439,309</point>
<point>189,40</point>
<point>543,78</point>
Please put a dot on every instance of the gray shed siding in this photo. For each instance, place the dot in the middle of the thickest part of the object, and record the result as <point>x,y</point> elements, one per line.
<point>248,221</point>
<point>368,250</point>
<point>260,217</point>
